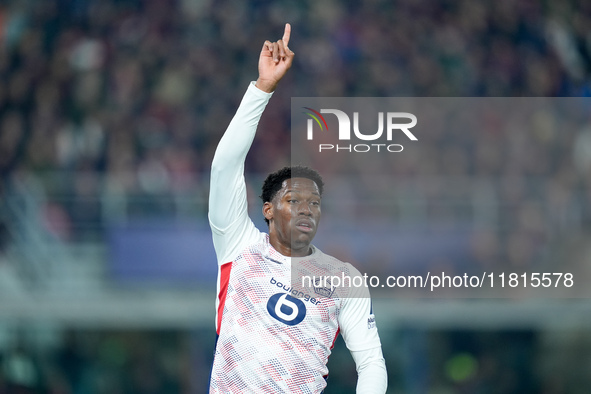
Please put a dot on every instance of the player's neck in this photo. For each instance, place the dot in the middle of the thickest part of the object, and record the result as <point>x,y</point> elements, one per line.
<point>290,251</point>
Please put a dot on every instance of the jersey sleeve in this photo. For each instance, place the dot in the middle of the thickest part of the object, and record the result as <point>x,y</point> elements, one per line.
<point>358,327</point>
<point>371,371</point>
<point>356,319</point>
<point>228,208</point>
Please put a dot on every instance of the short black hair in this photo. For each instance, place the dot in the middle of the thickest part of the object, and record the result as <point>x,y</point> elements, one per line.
<point>274,181</point>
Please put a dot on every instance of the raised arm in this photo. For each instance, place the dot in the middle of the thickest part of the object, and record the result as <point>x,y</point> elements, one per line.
<point>228,215</point>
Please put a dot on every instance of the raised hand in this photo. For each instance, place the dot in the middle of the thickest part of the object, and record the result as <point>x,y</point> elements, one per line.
<point>274,61</point>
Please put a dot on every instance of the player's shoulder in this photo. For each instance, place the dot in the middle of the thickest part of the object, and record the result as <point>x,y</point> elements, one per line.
<point>328,275</point>
<point>259,241</point>
<point>332,264</point>
<point>320,263</point>
<point>236,244</point>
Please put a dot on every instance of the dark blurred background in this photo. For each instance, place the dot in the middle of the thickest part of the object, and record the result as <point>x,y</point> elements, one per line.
<point>110,112</point>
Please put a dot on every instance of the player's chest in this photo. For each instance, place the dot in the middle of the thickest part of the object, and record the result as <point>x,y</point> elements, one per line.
<point>265,287</point>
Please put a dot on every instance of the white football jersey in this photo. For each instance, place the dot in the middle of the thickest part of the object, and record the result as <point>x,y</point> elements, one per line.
<point>274,336</point>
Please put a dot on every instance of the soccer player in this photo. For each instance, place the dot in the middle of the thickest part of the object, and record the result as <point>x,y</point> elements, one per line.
<point>273,338</point>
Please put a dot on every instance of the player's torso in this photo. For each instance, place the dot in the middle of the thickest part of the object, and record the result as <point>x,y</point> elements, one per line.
<point>271,336</point>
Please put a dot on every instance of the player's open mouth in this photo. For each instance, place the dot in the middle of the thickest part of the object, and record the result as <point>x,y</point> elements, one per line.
<point>304,226</point>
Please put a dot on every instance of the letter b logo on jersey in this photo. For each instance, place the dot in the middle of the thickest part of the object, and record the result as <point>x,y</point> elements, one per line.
<point>286,309</point>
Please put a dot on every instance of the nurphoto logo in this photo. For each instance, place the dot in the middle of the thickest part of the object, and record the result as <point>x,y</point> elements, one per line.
<point>395,122</point>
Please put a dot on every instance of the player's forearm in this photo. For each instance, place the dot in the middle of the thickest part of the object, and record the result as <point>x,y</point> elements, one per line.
<point>227,191</point>
<point>372,377</point>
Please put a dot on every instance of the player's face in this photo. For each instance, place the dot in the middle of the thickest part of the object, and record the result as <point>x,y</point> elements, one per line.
<point>295,215</point>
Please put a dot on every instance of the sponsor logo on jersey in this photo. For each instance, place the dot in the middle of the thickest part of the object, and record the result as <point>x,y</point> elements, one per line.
<point>287,309</point>
<point>371,322</point>
<point>323,287</point>
<point>294,292</point>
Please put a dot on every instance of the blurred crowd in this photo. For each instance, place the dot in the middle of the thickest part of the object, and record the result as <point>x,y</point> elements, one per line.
<point>142,89</point>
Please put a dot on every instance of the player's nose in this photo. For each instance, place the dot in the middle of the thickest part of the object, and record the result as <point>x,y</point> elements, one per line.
<point>304,209</point>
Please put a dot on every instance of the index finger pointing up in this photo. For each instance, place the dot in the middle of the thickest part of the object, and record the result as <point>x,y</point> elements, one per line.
<point>286,34</point>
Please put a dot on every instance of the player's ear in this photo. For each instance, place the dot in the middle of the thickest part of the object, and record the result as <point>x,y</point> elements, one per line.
<point>268,210</point>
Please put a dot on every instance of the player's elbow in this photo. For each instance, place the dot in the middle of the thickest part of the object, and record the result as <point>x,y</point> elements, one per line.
<point>371,371</point>
<point>216,180</point>
<point>219,166</point>
<point>376,364</point>
<point>223,162</point>
<point>216,168</point>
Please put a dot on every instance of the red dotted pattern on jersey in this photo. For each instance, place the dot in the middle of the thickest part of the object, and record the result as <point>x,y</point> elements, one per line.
<point>257,353</point>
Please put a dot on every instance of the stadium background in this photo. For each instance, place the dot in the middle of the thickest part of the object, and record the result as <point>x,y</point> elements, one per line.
<point>109,115</point>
